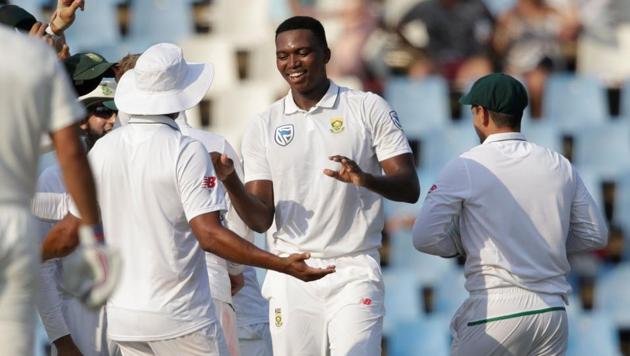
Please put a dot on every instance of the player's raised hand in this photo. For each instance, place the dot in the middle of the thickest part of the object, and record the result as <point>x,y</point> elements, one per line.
<point>223,165</point>
<point>350,171</point>
<point>64,16</point>
<point>297,268</point>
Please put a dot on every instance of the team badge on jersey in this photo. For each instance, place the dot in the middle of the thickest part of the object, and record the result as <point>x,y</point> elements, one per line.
<point>336,125</point>
<point>284,134</point>
<point>394,116</point>
<point>278,317</point>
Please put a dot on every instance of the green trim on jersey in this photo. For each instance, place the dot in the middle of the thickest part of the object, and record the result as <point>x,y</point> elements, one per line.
<point>516,315</point>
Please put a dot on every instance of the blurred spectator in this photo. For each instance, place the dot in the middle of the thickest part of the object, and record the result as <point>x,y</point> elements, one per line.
<point>530,38</point>
<point>456,36</point>
<point>126,63</point>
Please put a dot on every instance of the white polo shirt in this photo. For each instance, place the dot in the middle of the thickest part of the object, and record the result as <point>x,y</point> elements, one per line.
<point>220,286</point>
<point>520,208</point>
<point>36,98</point>
<point>290,146</point>
<point>151,181</point>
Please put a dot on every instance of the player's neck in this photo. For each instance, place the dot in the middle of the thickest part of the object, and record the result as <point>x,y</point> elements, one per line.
<point>306,100</point>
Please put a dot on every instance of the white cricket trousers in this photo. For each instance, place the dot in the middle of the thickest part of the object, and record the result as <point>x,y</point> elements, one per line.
<point>19,265</point>
<point>255,340</point>
<point>510,321</point>
<point>338,315</point>
<point>227,318</point>
<point>207,341</point>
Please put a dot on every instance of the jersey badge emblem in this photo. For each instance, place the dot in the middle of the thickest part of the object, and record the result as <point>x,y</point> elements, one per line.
<point>278,317</point>
<point>394,116</point>
<point>433,188</point>
<point>284,135</point>
<point>366,301</point>
<point>336,125</point>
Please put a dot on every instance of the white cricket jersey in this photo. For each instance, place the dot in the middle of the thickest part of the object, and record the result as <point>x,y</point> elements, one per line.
<point>36,98</point>
<point>520,209</point>
<point>151,181</point>
<point>290,147</point>
<point>220,286</point>
<point>251,307</point>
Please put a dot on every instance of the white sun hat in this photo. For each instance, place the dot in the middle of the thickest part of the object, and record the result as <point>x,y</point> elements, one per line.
<point>163,83</point>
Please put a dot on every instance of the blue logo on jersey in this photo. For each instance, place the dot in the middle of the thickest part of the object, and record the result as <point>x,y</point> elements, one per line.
<point>394,116</point>
<point>284,134</point>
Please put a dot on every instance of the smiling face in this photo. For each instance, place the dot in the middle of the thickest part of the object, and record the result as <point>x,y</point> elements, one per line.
<point>301,60</point>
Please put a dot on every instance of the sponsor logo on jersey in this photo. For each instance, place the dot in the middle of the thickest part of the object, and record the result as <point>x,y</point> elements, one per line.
<point>278,317</point>
<point>394,116</point>
<point>209,182</point>
<point>432,189</point>
<point>366,301</point>
<point>336,125</point>
<point>284,135</point>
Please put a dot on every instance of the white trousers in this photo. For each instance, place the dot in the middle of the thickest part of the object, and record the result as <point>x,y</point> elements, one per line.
<point>340,314</point>
<point>255,340</point>
<point>511,323</point>
<point>205,342</point>
<point>227,318</point>
<point>18,280</point>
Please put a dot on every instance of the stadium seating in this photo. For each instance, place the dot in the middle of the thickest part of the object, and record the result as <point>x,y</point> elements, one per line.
<point>543,133</point>
<point>592,333</point>
<point>427,336</point>
<point>404,301</point>
<point>422,105</point>
<point>572,101</point>
<point>439,146</point>
<point>100,21</point>
<point>625,100</point>
<point>427,268</point>
<point>622,208</point>
<point>155,21</point>
<point>604,148</point>
<point>613,293</point>
<point>450,292</point>
<point>32,6</point>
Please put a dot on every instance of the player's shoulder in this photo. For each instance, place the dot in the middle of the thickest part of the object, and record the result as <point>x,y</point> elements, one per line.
<point>27,51</point>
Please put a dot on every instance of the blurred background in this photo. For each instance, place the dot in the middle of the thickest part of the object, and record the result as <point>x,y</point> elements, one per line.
<point>421,55</point>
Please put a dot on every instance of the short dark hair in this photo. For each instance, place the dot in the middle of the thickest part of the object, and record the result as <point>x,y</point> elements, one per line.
<point>304,23</point>
<point>500,119</point>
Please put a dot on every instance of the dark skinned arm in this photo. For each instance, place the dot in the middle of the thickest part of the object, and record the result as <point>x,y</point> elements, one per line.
<point>253,201</point>
<point>216,239</point>
<point>62,239</point>
<point>400,182</point>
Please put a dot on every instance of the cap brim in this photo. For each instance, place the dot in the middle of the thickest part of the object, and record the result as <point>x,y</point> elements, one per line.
<point>93,72</point>
<point>194,87</point>
<point>96,100</point>
<point>110,104</point>
<point>466,100</point>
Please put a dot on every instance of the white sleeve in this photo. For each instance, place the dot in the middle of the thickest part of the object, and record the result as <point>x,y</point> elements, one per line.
<point>388,138</point>
<point>50,206</point>
<point>255,162</point>
<point>65,108</point>
<point>232,220</point>
<point>587,229</point>
<point>197,181</point>
<point>49,300</point>
<point>436,230</point>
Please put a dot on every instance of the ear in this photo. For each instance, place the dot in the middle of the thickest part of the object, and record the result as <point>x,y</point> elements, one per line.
<point>326,55</point>
<point>486,116</point>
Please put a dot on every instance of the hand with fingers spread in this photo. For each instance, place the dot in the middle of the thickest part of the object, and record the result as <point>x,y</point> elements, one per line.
<point>64,16</point>
<point>297,268</point>
<point>223,165</point>
<point>350,171</point>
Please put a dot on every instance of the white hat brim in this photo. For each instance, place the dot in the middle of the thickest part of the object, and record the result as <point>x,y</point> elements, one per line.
<point>133,101</point>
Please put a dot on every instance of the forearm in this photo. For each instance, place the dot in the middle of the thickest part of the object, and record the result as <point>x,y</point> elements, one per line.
<point>226,244</point>
<point>62,239</point>
<point>77,173</point>
<point>253,211</point>
<point>403,188</point>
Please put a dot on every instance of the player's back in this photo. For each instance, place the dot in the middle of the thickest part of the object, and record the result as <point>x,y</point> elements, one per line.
<point>29,89</point>
<point>164,285</point>
<point>515,219</point>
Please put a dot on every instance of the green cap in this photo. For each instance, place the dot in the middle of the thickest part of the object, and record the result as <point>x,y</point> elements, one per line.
<point>86,66</point>
<point>497,92</point>
<point>110,104</point>
<point>16,17</point>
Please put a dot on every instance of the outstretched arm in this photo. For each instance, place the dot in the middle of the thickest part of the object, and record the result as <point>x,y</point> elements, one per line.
<point>400,182</point>
<point>215,238</point>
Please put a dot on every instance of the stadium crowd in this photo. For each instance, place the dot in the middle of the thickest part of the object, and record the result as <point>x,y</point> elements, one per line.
<point>421,56</point>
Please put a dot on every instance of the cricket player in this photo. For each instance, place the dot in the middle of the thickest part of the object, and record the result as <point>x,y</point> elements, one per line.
<point>160,202</point>
<point>71,326</point>
<point>219,270</point>
<point>37,98</point>
<point>314,164</point>
<point>515,210</point>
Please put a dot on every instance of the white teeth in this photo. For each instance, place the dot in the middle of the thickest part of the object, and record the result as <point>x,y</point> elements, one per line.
<point>296,75</point>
